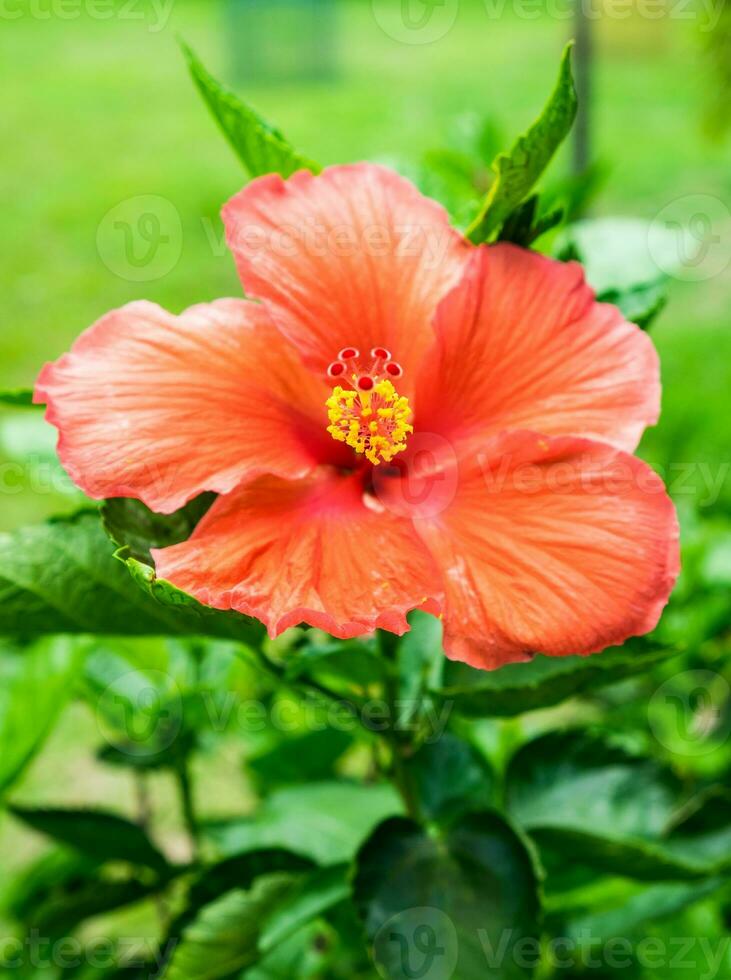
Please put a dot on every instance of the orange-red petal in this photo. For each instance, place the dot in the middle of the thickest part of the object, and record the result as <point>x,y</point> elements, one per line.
<point>354,256</point>
<point>522,344</point>
<point>552,545</point>
<point>306,551</point>
<point>159,407</point>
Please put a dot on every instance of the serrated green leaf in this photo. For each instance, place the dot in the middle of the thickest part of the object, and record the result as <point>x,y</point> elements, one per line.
<point>260,147</point>
<point>35,685</point>
<point>17,397</point>
<point>63,910</point>
<point>525,225</point>
<point>629,916</point>
<point>133,526</point>
<point>450,777</point>
<point>299,758</point>
<point>313,895</point>
<point>240,871</point>
<point>62,577</point>
<point>641,304</point>
<point>224,937</point>
<point>326,822</point>
<point>469,894</point>
<point>97,834</point>
<point>517,171</point>
<point>584,798</point>
<point>542,682</point>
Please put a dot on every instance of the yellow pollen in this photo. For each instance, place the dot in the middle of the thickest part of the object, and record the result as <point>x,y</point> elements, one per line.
<point>375,423</point>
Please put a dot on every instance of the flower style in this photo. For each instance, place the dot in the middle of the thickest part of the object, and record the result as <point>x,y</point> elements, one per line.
<point>395,419</point>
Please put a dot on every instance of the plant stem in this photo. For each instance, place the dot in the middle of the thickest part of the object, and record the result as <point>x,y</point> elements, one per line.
<point>185,788</point>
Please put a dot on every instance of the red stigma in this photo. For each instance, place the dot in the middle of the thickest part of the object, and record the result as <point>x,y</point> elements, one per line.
<point>336,369</point>
<point>394,369</point>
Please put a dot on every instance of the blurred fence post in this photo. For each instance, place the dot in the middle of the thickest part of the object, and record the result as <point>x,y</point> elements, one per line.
<point>582,70</point>
<point>281,40</point>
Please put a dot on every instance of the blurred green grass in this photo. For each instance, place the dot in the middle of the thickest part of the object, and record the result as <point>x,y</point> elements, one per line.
<point>103,111</point>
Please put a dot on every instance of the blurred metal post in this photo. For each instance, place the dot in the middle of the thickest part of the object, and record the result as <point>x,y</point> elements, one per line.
<point>582,70</point>
<point>282,40</point>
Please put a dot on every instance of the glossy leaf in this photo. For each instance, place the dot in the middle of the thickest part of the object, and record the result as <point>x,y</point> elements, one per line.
<point>35,685</point>
<point>137,529</point>
<point>516,172</point>
<point>583,798</point>
<point>223,939</point>
<point>326,822</point>
<point>260,147</point>
<point>464,899</point>
<point>62,577</point>
<point>298,759</point>
<point>542,682</point>
<point>450,777</point>
<point>17,397</point>
<point>96,834</point>
<point>313,895</point>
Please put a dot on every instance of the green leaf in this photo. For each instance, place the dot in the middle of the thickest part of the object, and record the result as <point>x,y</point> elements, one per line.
<point>96,834</point>
<point>18,397</point>
<point>302,758</point>
<point>133,526</point>
<point>223,938</point>
<point>583,798</point>
<point>616,253</point>
<point>463,898</point>
<point>35,685</point>
<point>326,822</point>
<point>641,304</point>
<point>305,955</point>
<point>314,894</point>
<point>240,871</point>
<point>450,777</point>
<point>631,913</point>
<point>420,662</point>
<point>703,833</point>
<point>62,577</point>
<point>261,148</point>
<point>524,225</point>
<point>51,872</point>
<point>542,682</point>
<point>351,669</point>
<point>517,171</point>
<point>64,909</point>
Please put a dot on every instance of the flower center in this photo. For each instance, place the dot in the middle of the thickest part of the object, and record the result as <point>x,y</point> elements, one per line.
<point>368,414</point>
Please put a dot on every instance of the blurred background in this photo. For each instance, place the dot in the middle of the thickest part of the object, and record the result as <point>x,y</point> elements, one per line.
<point>114,176</point>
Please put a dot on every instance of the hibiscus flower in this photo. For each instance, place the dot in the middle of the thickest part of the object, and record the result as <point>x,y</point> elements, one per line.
<point>394,419</point>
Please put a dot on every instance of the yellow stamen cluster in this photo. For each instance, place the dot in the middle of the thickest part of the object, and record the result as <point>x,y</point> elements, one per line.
<point>375,423</point>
